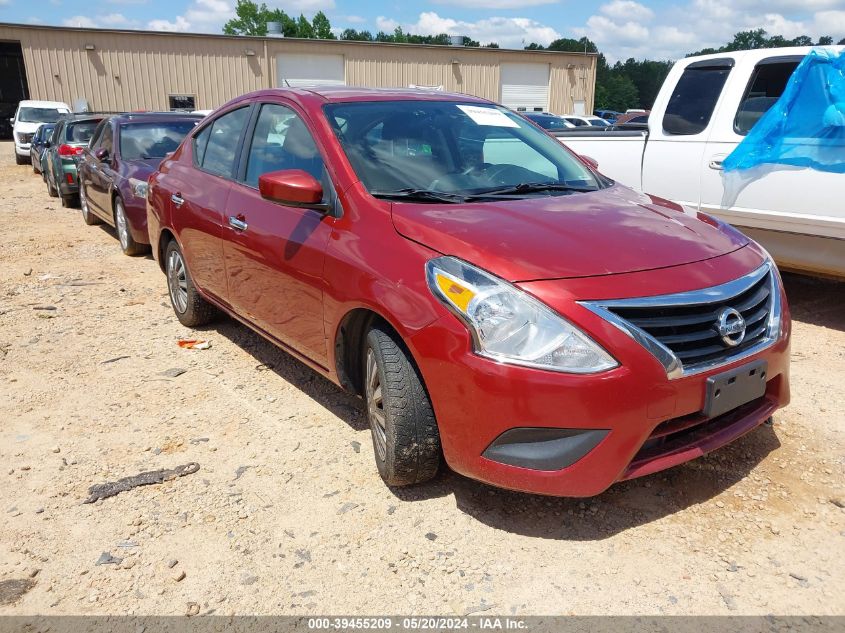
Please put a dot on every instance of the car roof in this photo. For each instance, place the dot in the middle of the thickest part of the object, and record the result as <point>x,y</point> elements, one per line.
<point>332,93</point>
<point>43,104</point>
<point>762,53</point>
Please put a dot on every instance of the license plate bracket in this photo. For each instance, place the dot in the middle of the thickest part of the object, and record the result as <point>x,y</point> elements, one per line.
<point>731,389</point>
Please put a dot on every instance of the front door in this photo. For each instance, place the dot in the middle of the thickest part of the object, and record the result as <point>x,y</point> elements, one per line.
<point>274,253</point>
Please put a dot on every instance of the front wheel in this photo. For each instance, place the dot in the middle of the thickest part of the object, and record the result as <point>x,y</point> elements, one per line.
<point>127,243</point>
<point>405,435</point>
<point>21,160</point>
<point>190,308</point>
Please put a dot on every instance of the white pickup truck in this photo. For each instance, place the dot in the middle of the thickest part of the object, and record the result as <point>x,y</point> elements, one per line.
<point>704,109</point>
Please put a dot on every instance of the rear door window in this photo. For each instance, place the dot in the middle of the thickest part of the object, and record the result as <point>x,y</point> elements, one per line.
<point>695,96</point>
<point>765,87</point>
<point>221,147</point>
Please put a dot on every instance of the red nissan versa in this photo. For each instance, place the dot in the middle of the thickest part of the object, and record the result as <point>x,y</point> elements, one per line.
<point>493,298</point>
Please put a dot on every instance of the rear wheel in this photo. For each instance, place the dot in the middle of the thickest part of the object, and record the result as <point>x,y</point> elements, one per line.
<point>50,188</point>
<point>405,435</point>
<point>69,200</point>
<point>89,218</point>
<point>127,244</point>
<point>190,308</point>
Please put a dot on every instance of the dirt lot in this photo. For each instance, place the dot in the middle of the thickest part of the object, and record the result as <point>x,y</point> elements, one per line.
<point>287,513</point>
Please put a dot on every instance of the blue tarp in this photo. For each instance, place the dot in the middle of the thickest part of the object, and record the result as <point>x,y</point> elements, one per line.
<point>806,126</point>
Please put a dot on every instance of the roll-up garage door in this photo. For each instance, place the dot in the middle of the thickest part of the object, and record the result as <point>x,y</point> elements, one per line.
<point>525,87</point>
<point>297,69</point>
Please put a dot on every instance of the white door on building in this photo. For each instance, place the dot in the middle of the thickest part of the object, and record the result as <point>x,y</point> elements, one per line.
<point>298,69</point>
<point>525,87</point>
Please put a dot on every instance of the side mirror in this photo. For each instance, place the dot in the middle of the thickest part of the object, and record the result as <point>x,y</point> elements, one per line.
<point>589,161</point>
<point>292,187</point>
<point>101,154</point>
<point>12,120</point>
<point>46,144</point>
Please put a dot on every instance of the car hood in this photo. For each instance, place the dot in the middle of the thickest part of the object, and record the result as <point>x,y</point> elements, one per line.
<point>610,231</point>
<point>22,127</point>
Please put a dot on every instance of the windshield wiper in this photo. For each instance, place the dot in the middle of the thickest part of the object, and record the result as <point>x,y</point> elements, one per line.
<point>529,187</point>
<point>420,195</point>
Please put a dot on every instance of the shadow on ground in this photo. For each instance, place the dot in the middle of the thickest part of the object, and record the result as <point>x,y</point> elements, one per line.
<point>623,506</point>
<point>814,300</point>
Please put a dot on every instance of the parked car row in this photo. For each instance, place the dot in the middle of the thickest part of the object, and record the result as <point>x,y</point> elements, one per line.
<point>496,302</point>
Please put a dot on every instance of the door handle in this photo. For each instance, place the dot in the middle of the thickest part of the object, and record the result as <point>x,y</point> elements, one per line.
<point>716,163</point>
<point>177,200</point>
<point>237,223</point>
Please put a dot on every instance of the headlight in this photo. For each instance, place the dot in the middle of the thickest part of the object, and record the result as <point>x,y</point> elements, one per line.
<point>139,187</point>
<point>509,325</point>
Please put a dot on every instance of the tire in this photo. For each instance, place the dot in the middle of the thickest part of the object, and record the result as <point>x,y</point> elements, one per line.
<point>190,308</point>
<point>50,189</point>
<point>69,201</point>
<point>89,218</point>
<point>127,244</point>
<point>21,160</point>
<point>406,441</point>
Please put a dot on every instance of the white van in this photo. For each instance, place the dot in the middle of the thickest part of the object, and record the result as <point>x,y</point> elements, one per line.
<point>28,116</point>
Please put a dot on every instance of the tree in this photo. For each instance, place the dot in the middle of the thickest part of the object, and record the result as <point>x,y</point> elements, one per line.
<point>491,45</point>
<point>322,27</point>
<point>251,19</point>
<point>533,46</point>
<point>618,92</point>
<point>825,40</point>
<point>841,42</point>
<point>359,36</point>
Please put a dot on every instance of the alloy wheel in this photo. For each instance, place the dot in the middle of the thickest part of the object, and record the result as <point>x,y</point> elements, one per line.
<point>177,281</point>
<point>375,405</point>
<point>121,224</point>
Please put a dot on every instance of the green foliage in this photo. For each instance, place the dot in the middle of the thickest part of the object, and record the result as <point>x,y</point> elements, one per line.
<point>252,18</point>
<point>617,92</point>
<point>758,38</point>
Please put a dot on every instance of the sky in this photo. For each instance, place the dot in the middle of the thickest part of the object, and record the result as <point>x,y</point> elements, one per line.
<point>645,29</point>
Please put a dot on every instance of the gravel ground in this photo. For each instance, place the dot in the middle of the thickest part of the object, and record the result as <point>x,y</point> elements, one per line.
<point>287,514</point>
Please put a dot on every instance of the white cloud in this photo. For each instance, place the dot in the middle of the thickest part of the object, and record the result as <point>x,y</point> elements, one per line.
<point>352,19</point>
<point>209,16</point>
<point>108,21</point>
<point>507,32</point>
<point>495,4</point>
<point>4,3</point>
<point>80,21</point>
<point>127,1</point>
<point>628,8</point>
<point>625,28</point>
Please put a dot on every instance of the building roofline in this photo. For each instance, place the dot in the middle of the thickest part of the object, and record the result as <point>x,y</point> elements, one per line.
<point>253,38</point>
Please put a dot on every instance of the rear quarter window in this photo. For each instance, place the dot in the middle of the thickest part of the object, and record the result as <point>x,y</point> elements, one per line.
<point>695,96</point>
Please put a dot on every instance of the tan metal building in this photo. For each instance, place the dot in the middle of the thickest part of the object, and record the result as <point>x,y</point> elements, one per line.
<point>143,70</point>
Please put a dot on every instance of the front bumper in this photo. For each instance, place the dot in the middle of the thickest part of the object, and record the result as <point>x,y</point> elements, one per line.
<point>651,422</point>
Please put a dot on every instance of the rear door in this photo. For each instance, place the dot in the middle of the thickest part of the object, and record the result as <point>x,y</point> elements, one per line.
<point>676,143</point>
<point>275,253</point>
<point>98,190</point>
<point>780,198</point>
<point>199,187</point>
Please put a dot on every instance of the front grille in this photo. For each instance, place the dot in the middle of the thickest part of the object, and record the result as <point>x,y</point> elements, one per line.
<point>681,330</point>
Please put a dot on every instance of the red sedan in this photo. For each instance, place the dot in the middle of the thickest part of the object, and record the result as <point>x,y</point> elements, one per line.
<point>497,302</point>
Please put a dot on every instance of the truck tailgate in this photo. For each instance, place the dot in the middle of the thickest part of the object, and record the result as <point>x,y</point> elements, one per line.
<point>618,153</point>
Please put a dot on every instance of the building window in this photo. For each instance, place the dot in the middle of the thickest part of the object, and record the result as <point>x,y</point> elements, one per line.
<point>182,103</point>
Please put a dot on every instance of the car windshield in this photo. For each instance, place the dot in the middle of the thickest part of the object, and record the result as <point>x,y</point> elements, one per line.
<point>452,150</point>
<point>40,115</point>
<point>81,131</point>
<point>154,139</point>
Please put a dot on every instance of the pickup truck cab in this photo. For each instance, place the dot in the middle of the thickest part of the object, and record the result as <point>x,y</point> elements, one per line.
<point>703,111</point>
<point>28,117</point>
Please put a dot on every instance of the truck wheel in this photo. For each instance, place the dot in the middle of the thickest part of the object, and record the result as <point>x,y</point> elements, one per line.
<point>190,308</point>
<point>69,201</point>
<point>89,218</point>
<point>127,244</point>
<point>405,436</point>
<point>20,160</point>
